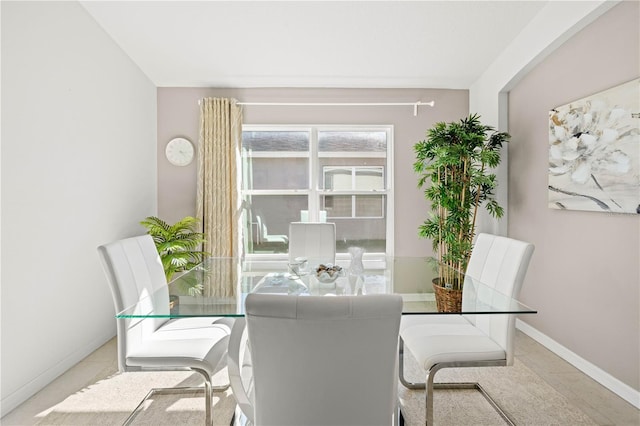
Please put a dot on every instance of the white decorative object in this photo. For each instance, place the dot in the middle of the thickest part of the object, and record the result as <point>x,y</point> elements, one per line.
<point>594,152</point>
<point>298,267</point>
<point>179,152</point>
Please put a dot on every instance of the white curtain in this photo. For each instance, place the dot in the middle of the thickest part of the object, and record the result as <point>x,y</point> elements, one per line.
<point>218,197</point>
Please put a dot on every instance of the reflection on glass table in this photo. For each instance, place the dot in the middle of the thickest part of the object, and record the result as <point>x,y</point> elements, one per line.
<point>219,286</point>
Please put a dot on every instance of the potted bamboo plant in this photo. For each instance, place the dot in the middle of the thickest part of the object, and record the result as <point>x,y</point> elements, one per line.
<point>454,165</point>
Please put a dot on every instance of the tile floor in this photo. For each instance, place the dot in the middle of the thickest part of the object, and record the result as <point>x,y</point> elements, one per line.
<point>602,405</point>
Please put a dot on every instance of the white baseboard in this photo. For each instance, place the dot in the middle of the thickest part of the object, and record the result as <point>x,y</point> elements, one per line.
<point>418,297</point>
<point>621,389</point>
<point>13,400</point>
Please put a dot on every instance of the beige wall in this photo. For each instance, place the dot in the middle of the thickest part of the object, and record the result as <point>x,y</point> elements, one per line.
<point>178,115</point>
<point>584,277</point>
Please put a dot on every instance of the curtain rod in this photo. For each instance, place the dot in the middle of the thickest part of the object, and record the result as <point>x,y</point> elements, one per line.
<point>414,104</point>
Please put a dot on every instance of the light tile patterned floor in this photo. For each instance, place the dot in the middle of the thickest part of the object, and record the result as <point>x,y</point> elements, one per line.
<point>602,405</point>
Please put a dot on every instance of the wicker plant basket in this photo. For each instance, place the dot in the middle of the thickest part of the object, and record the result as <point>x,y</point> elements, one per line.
<point>447,300</point>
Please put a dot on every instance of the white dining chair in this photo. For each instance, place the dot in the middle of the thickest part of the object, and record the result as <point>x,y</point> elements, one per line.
<point>265,237</point>
<point>313,240</point>
<point>136,278</point>
<point>451,341</point>
<point>322,360</point>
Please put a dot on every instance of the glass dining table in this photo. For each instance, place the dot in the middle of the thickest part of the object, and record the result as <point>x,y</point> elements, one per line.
<point>218,287</point>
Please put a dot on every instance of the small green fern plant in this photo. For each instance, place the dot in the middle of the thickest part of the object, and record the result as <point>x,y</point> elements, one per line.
<point>178,245</point>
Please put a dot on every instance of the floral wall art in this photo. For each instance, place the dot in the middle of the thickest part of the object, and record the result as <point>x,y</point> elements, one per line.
<point>594,152</point>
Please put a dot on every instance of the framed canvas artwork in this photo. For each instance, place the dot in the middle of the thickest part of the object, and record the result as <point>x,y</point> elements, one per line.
<point>594,152</point>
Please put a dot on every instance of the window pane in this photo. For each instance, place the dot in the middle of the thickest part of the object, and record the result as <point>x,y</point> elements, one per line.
<point>367,233</point>
<point>267,219</point>
<point>369,206</point>
<point>275,141</point>
<point>338,205</point>
<point>276,173</point>
<point>373,141</point>
<point>338,179</point>
<point>369,178</point>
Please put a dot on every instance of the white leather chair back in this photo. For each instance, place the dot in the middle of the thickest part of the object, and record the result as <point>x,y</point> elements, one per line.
<point>263,232</point>
<point>500,263</point>
<point>313,240</point>
<point>324,360</point>
<point>262,229</point>
<point>134,272</point>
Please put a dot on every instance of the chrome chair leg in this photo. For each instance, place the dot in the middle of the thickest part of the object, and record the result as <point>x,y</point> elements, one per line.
<point>430,386</point>
<point>239,418</point>
<point>399,420</point>
<point>208,390</point>
<point>208,396</point>
<point>407,384</point>
<point>428,411</point>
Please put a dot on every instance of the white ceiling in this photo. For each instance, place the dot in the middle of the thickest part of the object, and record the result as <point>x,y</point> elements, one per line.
<point>393,44</point>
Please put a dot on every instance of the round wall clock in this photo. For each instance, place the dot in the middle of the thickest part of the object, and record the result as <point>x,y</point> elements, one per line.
<point>179,151</point>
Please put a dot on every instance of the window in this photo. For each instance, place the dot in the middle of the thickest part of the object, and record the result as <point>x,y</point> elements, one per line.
<point>350,180</point>
<point>316,173</point>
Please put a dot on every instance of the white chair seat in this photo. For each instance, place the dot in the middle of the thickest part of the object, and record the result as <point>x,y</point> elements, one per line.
<point>435,343</point>
<point>199,325</point>
<point>204,354</point>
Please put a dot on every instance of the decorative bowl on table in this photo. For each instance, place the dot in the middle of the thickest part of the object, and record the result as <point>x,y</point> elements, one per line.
<point>328,273</point>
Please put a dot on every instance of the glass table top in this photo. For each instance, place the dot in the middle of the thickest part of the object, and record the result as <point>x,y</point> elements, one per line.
<point>219,286</point>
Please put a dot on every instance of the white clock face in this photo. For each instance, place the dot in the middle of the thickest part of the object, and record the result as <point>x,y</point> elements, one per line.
<point>179,151</point>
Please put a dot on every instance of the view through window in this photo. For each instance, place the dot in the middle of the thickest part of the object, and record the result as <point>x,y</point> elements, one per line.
<point>316,174</point>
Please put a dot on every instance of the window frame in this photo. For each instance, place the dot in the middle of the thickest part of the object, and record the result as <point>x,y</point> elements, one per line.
<point>316,190</point>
